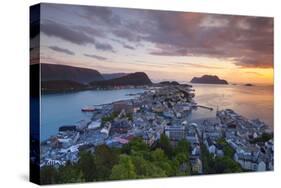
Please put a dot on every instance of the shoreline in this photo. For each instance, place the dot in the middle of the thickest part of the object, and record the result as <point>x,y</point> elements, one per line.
<point>156,111</point>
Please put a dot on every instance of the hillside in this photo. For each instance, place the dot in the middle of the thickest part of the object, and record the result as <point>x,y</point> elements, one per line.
<point>134,79</point>
<point>113,76</point>
<point>61,85</point>
<point>64,72</point>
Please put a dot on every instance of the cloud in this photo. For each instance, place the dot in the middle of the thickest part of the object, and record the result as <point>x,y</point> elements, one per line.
<point>95,57</point>
<point>62,50</point>
<point>80,35</point>
<point>245,40</point>
<point>100,15</point>
<point>54,29</point>
<point>128,47</point>
<point>196,65</point>
<point>248,41</point>
<point>104,47</point>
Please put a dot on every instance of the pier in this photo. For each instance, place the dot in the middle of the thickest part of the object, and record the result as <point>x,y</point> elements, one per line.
<point>205,107</point>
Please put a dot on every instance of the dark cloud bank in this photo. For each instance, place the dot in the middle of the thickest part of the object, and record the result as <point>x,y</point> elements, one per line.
<point>248,41</point>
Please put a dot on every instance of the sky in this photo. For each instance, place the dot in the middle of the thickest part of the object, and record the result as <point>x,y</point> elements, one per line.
<point>166,45</point>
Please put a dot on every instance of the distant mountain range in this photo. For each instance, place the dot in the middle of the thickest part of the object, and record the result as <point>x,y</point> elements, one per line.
<point>208,79</point>
<point>56,78</point>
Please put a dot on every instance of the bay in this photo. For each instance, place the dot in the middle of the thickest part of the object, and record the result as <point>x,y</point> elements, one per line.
<point>65,108</point>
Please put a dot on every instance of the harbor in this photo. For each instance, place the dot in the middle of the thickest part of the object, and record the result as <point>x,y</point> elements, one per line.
<point>156,111</point>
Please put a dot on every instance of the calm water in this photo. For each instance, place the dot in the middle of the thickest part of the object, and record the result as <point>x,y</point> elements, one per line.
<point>65,109</point>
<point>251,102</point>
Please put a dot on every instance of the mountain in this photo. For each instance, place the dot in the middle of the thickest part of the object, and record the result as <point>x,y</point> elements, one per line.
<point>64,72</point>
<point>113,76</point>
<point>208,79</point>
<point>61,85</point>
<point>133,79</point>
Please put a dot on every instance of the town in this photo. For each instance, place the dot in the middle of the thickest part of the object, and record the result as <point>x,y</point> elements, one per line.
<point>164,109</point>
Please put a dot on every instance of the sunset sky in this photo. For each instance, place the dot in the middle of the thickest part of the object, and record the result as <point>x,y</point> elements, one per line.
<point>166,45</point>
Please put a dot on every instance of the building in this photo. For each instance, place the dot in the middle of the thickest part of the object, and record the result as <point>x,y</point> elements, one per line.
<point>94,124</point>
<point>175,133</point>
<point>122,105</point>
<point>149,138</point>
<point>120,126</point>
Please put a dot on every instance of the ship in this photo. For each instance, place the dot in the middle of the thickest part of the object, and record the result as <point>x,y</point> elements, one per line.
<point>88,109</point>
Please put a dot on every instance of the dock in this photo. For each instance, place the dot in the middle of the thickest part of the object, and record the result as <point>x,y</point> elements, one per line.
<point>205,107</point>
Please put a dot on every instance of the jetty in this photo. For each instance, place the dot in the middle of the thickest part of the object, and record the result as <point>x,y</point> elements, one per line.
<point>205,107</point>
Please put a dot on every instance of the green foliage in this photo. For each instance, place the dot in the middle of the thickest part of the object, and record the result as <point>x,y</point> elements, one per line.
<point>263,138</point>
<point>165,144</point>
<point>182,147</point>
<point>48,175</point>
<point>182,158</point>
<point>136,147</point>
<point>137,160</point>
<point>109,118</point>
<point>105,159</point>
<point>125,169</point>
<point>207,159</point>
<point>226,165</point>
<point>217,165</point>
<point>146,168</point>
<point>227,149</point>
<point>70,174</point>
<point>130,116</point>
<point>87,165</point>
<point>158,155</point>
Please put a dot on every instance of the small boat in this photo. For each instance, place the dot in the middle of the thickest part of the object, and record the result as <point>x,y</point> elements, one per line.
<point>88,109</point>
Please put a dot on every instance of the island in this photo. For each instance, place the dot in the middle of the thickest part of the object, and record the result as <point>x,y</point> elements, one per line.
<point>248,84</point>
<point>208,79</point>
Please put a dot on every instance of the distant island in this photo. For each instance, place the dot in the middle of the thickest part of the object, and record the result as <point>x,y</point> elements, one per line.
<point>208,79</point>
<point>248,84</point>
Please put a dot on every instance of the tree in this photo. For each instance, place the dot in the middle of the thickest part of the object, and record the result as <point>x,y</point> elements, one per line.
<point>158,155</point>
<point>48,175</point>
<point>227,149</point>
<point>125,169</point>
<point>182,147</point>
<point>146,169</point>
<point>263,138</point>
<point>226,165</point>
<point>207,160</point>
<point>105,159</point>
<point>70,174</point>
<point>165,144</point>
<point>87,166</point>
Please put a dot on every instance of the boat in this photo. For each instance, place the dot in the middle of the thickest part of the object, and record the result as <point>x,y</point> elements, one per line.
<point>88,109</point>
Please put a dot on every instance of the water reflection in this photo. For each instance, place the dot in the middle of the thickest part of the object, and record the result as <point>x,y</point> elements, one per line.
<point>251,102</point>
